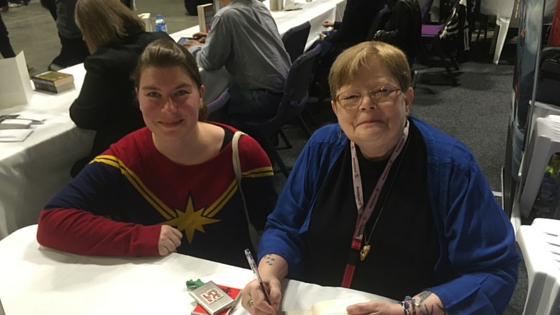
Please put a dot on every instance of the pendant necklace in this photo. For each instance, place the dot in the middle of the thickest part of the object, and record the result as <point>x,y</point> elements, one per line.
<point>365,211</point>
<point>366,248</point>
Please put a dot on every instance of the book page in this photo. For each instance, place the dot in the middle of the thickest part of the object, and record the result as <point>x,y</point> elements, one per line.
<point>327,307</point>
<point>331,307</point>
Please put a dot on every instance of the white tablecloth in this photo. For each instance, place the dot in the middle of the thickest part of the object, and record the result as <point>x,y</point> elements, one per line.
<point>37,280</point>
<point>31,172</point>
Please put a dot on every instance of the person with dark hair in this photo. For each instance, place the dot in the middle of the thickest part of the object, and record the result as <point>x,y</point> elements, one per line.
<point>115,37</point>
<point>384,203</point>
<point>5,46</point>
<point>170,186</point>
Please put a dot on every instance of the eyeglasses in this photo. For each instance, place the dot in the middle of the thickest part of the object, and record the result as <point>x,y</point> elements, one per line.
<point>382,95</point>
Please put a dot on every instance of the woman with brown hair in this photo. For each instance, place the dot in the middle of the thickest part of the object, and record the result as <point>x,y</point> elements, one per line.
<point>115,36</point>
<point>170,186</point>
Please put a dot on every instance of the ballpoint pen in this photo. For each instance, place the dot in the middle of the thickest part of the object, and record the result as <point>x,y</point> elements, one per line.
<point>253,266</point>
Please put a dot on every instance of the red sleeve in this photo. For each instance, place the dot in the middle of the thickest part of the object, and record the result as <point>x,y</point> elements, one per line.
<point>81,232</point>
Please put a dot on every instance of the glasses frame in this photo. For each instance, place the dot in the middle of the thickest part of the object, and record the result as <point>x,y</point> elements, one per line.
<point>369,93</point>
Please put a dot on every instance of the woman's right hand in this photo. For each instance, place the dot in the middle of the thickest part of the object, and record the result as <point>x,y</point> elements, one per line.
<point>169,240</point>
<point>328,23</point>
<point>253,298</point>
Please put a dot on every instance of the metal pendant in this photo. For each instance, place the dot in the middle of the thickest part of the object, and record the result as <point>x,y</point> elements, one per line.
<point>364,252</point>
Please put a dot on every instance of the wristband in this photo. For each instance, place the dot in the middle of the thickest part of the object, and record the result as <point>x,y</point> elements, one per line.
<point>409,303</point>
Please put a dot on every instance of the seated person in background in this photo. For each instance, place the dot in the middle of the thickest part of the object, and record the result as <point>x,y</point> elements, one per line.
<point>244,38</point>
<point>356,22</point>
<point>423,208</point>
<point>115,36</point>
<point>404,28</point>
<point>354,27</point>
<point>171,184</point>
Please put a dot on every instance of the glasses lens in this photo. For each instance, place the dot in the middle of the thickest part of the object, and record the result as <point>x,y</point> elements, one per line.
<point>381,95</point>
<point>347,100</point>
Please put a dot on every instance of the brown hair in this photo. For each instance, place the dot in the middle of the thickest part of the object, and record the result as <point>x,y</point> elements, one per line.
<point>349,62</point>
<point>104,21</point>
<point>165,53</point>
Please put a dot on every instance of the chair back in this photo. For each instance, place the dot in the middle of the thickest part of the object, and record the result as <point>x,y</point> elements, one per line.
<point>426,9</point>
<point>296,89</point>
<point>295,39</point>
<point>507,9</point>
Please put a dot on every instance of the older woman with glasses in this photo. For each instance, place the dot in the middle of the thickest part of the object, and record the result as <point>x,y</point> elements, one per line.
<point>382,202</point>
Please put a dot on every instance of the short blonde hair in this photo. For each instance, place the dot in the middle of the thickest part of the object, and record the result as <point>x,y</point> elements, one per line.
<point>165,53</point>
<point>104,21</point>
<point>349,62</point>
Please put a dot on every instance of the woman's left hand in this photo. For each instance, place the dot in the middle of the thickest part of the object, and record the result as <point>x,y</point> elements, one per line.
<point>375,308</point>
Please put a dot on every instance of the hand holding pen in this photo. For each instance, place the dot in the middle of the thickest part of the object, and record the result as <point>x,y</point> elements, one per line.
<point>262,295</point>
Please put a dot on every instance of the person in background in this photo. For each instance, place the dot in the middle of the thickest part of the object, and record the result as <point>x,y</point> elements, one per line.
<point>74,49</point>
<point>115,37</point>
<point>404,28</point>
<point>5,46</point>
<point>354,27</point>
<point>359,15</point>
<point>385,203</point>
<point>244,38</point>
<point>170,185</point>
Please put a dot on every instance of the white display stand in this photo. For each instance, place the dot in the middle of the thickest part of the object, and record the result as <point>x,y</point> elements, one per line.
<point>15,86</point>
<point>544,142</point>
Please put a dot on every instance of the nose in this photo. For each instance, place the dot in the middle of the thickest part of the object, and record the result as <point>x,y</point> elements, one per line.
<point>169,105</point>
<point>367,102</point>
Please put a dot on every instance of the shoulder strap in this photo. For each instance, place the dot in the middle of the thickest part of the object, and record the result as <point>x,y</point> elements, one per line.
<point>253,234</point>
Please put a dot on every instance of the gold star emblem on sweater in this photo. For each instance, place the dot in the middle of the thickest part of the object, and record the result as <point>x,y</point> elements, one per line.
<point>190,220</point>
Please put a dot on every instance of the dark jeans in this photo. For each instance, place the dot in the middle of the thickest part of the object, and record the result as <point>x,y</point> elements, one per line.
<point>243,102</point>
<point>191,5</point>
<point>5,47</point>
<point>259,103</point>
<point>51,6</point>
<point>73,52</point>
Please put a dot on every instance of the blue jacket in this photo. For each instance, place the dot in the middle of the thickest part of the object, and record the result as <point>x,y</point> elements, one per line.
<point>477,243</point>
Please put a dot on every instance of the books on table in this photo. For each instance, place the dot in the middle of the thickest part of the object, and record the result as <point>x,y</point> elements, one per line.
<point>53,81</point>
<point>205,14</point>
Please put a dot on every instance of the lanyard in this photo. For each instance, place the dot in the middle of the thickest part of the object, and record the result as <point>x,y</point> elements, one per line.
<point>364,213</point>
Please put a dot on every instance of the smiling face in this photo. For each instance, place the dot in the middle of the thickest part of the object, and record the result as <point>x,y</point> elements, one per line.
<point>169,102</point>
<point>374,126</point>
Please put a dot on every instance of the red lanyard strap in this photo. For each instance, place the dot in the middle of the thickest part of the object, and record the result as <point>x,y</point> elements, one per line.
<point>364,213</point>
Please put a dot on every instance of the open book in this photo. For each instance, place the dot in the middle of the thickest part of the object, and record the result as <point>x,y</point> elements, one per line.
<point>328,307</point>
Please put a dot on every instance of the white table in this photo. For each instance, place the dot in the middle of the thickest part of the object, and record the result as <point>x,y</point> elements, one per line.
<point>37,280</point>
<point>31,172</point>
<point>315,12</point>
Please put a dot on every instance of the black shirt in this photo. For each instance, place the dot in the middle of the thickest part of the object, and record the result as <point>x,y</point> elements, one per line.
<point>404,243</point>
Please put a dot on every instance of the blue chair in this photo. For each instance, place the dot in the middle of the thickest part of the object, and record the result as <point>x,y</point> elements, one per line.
<point>216,109</point>
<point>295,39</point>
<point>292,104</point>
